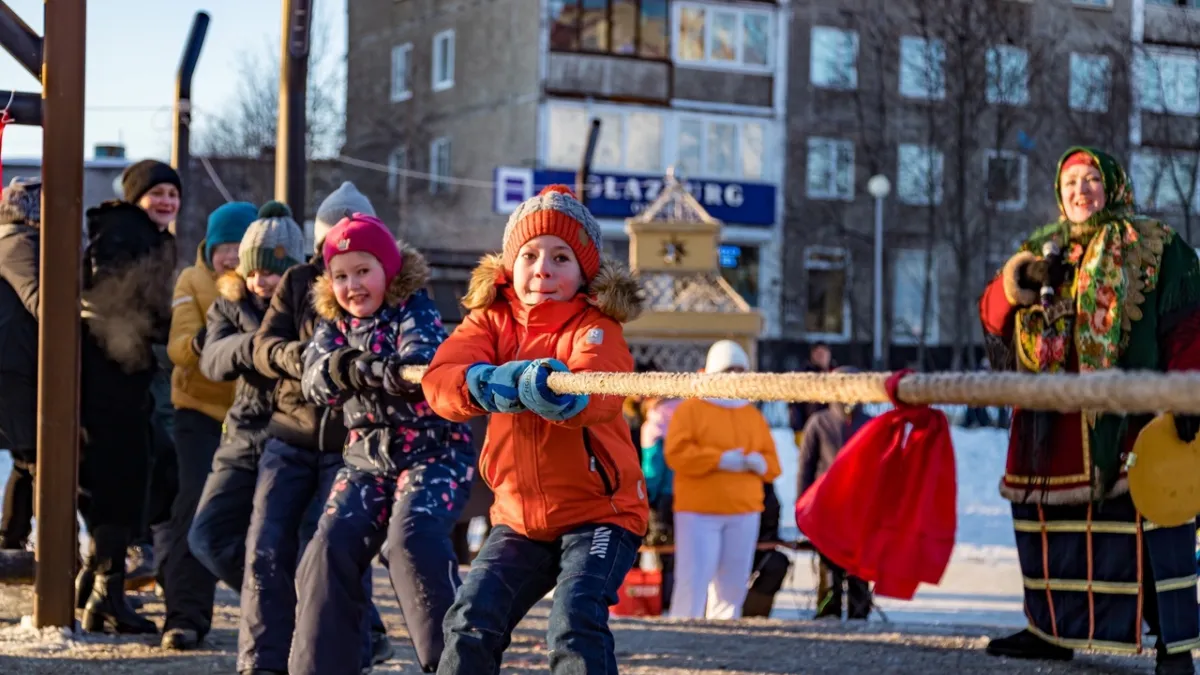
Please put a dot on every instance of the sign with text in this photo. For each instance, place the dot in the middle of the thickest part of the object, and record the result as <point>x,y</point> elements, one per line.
<point>623,195</point>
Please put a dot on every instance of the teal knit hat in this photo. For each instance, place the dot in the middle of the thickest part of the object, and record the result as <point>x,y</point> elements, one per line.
<point>274,242</point>
<point>226,225</point>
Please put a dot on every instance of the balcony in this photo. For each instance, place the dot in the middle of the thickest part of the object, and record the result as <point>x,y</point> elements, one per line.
<point>606,76</point>
<point>1172,25</point>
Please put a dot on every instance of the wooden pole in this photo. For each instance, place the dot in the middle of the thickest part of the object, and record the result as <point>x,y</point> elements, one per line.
<point>290,141</point>
<point>58,324</point>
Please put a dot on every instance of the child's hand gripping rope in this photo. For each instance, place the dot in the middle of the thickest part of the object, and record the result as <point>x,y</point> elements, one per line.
<point>536,394</point>
<point>494,388</point>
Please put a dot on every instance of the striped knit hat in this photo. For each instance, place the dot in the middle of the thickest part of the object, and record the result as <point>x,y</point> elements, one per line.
<point>556,211</point>
<point>274,242</point>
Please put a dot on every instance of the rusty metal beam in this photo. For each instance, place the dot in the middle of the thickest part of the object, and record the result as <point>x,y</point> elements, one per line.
<point>26,108</point>
<point>181,129</point>
<point>58,324</point>
<point>21,41</point>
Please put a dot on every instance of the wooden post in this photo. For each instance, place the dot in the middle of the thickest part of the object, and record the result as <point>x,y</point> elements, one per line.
<point>291,139</point>
<point>58,324</point>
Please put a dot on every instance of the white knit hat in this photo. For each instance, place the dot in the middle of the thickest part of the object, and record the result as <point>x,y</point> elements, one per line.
<point>724,355</point>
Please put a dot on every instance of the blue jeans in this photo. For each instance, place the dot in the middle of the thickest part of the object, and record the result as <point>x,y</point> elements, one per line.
<point>289,479</point>
<point>415,514</point>
<point>584,567</point>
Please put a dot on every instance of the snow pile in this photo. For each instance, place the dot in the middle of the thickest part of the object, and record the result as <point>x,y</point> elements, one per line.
<point>31,639</point>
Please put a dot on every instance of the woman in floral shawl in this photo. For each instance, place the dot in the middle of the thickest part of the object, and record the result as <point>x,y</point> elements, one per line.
<point>1125,294</point>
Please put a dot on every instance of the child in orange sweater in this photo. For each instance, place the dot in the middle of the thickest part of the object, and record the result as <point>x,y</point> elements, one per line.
<point>570,508</point>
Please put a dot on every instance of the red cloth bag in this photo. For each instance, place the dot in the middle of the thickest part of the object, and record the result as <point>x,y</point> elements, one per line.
<point>885,511</point>
<point>640,594</point>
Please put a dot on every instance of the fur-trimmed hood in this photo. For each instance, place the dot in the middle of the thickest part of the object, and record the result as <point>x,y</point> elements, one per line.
<point>613,291</point>
<point>413,276</point>
<point>231,286</point>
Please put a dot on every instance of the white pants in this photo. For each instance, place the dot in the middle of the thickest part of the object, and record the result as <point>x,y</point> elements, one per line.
<point>714,556</point>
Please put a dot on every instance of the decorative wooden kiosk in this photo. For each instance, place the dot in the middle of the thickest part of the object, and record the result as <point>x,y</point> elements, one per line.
<point>689,305</point>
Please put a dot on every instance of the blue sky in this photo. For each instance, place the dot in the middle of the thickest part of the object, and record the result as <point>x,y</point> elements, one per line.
<point>133,52</point>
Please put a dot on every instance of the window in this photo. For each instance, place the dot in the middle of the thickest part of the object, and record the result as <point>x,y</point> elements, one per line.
<point>723,37</point>
<point>439,164</point>
<point>401,73</point>
<point>1163,182</point>
<point>1092,3</point>
<point>827,312</point>
<point>909,270</point>
<point>919,175</point>
<point>397,183</point>
<point>1168,80</point>
<point>739,267</point>
<point>1008,75</point>
<point>720,146</point>
<point>645,142</point>
<point>1005,173</point>
<point>630,140</point>
<point>833,61</point>
<point>443,60</point>
<point>627,27</point>
<point>830,168</point>
<point>1091,79</point>
<point>922,68</point>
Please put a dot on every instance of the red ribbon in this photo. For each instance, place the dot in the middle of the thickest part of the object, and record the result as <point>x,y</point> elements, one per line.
<point>892,385</point>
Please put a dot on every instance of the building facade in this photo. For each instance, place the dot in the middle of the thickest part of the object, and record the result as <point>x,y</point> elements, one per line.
<point>964,107</point>
<point>457,110</point>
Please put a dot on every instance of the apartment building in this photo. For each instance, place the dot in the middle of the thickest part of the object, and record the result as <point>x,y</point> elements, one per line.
<point>964,107</point>
<point>459,109</point>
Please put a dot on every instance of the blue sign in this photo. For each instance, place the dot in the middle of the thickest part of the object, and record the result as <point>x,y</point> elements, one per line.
<point>624,195</point>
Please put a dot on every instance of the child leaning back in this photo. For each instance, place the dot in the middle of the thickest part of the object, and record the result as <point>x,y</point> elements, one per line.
<point>570,508</point>
<point>408,472</point>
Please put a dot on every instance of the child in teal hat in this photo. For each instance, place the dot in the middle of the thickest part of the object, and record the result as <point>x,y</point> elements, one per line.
<point>226,226</point>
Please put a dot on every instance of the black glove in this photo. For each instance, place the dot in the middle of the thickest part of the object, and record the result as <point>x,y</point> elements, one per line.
<point>198,340</point>
<point>341,363</point>
<point>1186,427</point>
<point>367,372</point>
<point>396,385</point>
<point>288,358</point>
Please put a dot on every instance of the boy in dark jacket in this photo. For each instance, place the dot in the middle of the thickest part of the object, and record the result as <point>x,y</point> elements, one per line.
<point>408,471</point>
<point>305,440</point>
<point>825,433</point>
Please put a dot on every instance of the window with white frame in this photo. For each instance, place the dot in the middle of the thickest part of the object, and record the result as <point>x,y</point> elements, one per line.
<point>1092,3</point>
<point>1007,75</point>
<point>833,58</point>
<point>826,283</point>
<point>443,60</point>
<point>1162,181</point>
<point>1167,81</point>
<point>722,36</point>
<point>439,164</point>
<point>401,73</point>
<point>1091,80</point>
<point>919,175</point>
<point>720,146</point>
<point>1005,173</point>
<point>830,168</point>
<point>397,183</point>
<point>911,273</point>
<point>922,68</point>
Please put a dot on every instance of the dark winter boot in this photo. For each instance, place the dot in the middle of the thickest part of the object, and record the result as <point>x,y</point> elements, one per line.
<point>1026,645</point>
<point>829,591</point>
<point>107,609</point>
<point>858,598</point>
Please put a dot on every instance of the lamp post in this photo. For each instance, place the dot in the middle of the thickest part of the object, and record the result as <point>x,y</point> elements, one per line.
<point>879,186</point>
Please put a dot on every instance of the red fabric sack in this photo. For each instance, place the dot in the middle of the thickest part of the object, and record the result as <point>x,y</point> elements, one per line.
<point>640,595</point>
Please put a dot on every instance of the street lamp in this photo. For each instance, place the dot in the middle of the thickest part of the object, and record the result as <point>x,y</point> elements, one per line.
<point>879,186</point>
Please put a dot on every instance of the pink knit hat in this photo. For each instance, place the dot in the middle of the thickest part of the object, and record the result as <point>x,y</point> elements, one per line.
<point>360,232</point>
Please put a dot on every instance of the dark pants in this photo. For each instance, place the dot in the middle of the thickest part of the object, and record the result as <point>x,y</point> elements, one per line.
<point>218,534</point>
<point>289,479</point>
<point>15,524</point>
<point>837,590</point>
<point>415,514</point>
<point>189,586</point>
<point>584,567</point>
<point>163,485</point>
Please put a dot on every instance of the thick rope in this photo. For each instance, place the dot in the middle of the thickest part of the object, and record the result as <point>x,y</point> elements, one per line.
<point>1111,391</point>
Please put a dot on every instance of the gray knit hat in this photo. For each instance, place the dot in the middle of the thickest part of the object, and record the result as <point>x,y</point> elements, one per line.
<point>340,203</point>
<point>21,202</point>
<point>274,242</point>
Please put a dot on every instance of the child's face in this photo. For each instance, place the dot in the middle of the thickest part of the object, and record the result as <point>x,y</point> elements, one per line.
<point>262,283</point>
<point>161,203</point>
<point>358,282</point>
<point>225,257</point>
<point>546,269</point>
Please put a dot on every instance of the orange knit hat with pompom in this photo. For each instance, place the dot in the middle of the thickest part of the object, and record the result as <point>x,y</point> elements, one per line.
<point>555,211</point>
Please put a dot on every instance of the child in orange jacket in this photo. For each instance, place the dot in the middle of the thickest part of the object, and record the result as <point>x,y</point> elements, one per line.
<point>570,507</point>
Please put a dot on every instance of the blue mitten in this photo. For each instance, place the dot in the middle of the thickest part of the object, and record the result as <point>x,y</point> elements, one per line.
<point>537,395</point>
<point>494,388</point>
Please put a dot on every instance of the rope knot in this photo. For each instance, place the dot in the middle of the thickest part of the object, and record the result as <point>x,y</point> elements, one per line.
<point>892,385</point>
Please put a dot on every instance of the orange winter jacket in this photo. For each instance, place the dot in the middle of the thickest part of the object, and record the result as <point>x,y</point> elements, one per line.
<point>697,435</point>
<point>548,477</point>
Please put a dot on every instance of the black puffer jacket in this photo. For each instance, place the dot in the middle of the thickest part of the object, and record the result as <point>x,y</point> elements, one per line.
<point>228,354</point>
<point>19,251</point>
<point>291,318</point>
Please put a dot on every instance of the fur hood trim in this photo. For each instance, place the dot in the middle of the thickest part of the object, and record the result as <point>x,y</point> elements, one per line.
<point>413,276</point>
<point>614,290</point>
<point>231,286</point>
<point>123,310</point>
